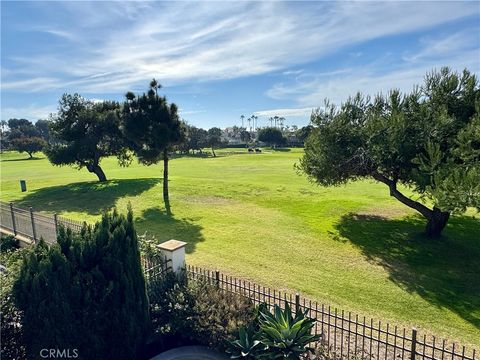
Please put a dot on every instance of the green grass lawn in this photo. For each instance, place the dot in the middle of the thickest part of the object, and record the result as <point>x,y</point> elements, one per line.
<point>253,216</point>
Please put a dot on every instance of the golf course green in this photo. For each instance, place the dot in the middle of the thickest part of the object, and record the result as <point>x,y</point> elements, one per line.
<point>253,216</point>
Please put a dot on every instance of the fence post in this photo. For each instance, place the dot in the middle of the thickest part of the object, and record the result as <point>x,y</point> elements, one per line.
<point>55,219</point>
<point>297,303</point>
<point>217,278</point>
<point>13,219</point>
<point>174,251</point>
<point>413,349</point>
<point>33,226</point>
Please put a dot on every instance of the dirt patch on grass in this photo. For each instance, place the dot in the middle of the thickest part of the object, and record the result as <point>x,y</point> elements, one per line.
<point>209,200</point>
<point>388,212</point>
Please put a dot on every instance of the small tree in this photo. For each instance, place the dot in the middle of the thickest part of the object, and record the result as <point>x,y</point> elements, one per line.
<point>245,136</point>
<point>30,145</point>
<point>24,137</point>
<point>303,132</point>
<point>196,138</point>
<point>43,128</point>
<point>87,132</point>
<point>152,127</point>
<point>271,136</point>
<point>427,140</point>
<point>214,139</point>
<point>86,293</point>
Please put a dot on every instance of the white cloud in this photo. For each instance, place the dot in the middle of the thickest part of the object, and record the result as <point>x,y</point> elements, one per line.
<point>293,112</point>
<point>31,112</point>
<point>127,43</point>
<point>190,112</point>
<point>35,84</point>
<point>458,51</point>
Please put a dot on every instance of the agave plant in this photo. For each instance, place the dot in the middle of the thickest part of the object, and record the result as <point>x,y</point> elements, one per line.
<point>286,336</point>
<point>248,345</point>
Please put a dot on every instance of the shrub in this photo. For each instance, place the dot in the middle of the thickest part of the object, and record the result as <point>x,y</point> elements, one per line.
<point>86,293</point>
<point>8,243</point>
<point>171,306</point>
<point>197,311</point>
<point>219,315</point>
<point>277,335</point>
<point>12,346</point>
<point>248,345</point>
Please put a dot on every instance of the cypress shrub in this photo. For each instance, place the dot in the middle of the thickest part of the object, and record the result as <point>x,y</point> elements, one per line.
<point>87,292</point>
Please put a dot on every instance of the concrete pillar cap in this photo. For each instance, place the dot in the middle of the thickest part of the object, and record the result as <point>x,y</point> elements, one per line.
<point>171,245</point>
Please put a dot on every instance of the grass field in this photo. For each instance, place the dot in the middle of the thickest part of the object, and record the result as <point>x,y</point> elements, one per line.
<point>253,216</point>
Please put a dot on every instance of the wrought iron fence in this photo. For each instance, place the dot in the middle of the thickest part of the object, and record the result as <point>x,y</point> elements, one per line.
<point>33,225</point>
<point>344,335</point>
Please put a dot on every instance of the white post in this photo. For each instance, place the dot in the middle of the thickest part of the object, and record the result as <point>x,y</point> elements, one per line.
<point>174,251</point>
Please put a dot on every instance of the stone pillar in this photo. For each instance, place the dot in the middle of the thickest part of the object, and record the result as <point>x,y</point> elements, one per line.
<point>174,252</point>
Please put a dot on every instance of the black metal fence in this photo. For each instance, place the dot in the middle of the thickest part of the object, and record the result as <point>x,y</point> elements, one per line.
<point>344,335</point>
<point>32,225</point>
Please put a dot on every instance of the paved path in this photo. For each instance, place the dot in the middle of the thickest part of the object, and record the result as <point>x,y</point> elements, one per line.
<point>190,353</point>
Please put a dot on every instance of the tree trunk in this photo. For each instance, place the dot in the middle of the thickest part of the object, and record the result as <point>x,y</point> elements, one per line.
<point>436,219</point>
<point>30,154</point>
<point>213,151</point>
<point>97,170</point>
<point>436,223</point>
<point>166,199</point>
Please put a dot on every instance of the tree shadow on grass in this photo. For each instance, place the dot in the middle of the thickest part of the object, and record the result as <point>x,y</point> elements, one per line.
<point>445,272</point>
<point>22,159</point>
<point>280,149</point>
<point>92,198</point>
<point>157,223</point>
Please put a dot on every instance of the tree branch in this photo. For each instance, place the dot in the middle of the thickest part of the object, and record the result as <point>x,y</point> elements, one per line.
<point>392,185</point>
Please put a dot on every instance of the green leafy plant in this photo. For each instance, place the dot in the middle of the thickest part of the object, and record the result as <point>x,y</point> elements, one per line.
<point>8,243</point>
<point>248,345</point>
<point>286,336</point>
<point>277,335</point>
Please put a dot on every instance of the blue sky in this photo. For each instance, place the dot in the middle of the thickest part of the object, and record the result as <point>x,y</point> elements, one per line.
<point>219,60</point>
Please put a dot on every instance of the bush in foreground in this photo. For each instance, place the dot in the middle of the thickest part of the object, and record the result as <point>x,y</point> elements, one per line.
<point>86,293</point>
<point>197,312</point>
<point>12,346</point>
<point>275,335</point>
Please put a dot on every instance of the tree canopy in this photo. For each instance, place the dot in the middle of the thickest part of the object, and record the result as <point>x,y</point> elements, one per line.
<point>195,139</point>
<point>23,136</point>
<point>271,136</point>
<point>152,127</point>
<point>87,132</point>
<point>427,140</point>
<point>214,138</point>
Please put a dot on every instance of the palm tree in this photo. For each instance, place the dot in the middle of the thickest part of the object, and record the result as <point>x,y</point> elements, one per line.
<point>271,121</point>
<point>242,117</point>
<point>249,124</point>
<point>275,118</point>
<point>254,118</point>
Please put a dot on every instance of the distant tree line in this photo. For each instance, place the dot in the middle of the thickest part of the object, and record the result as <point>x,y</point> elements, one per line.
<point>24,136</point>
<point>197,139</point>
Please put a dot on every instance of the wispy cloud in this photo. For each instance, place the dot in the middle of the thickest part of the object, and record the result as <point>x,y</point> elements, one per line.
<point>293,112</point>
<point>311,89</point>
<point>126,44</point>
<point>190,112</point>
<point>33,111</point>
